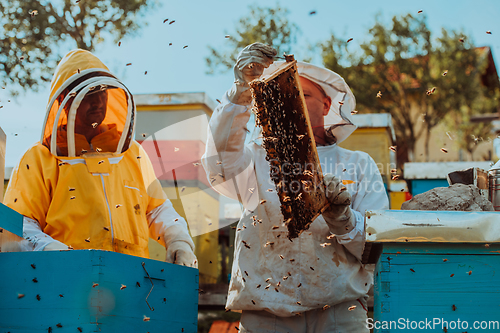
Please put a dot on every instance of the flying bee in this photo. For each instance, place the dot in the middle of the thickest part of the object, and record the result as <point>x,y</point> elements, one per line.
<point>263,201</point>
<point>106,228</point>
<point>281,257</point>
<point>393,148</point>
<point>326,307</point>
<point>95,285</point>
<point>420,11</point>
<point>258,286</point>
<point>266,288</point>
<point>185,46</point>
<point>325,244</point>
<point>274,227</point>
<point>395,177</point>
<point>488,32</point>
<point>285,277</point>
<point>350,40</point>
<point>72,198</point>
<point>312,269</point>
<point>444,73</point>
<point>100,162</point>
<point>123,287</point>
<point>251,189</point>
<point>118,206</point>
<point>97,149</point>
<point>351,307</point>
<point>172,22</point>
<point>94,125</point>
<point>87,240</point>
<point>298,303</point>
<point>253,302</point>
<point>379,94</point>
<point>268,279</point>
<point>444,150</point>
<point>341,103</point>
<point>354,111</point>
<point>146,318</point>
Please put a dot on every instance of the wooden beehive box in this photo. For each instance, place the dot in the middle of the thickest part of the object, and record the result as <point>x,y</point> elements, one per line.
<point>288,139</point>
<point>95,291</point>
<point>436,269</point>
<point>438,282</point>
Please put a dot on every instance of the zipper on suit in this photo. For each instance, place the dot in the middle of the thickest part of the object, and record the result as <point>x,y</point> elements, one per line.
<point>109,211</point>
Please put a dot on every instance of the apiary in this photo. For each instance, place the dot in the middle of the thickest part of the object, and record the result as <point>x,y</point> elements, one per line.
<point>436,269</point>
<point>281,111</point>
<point>91,290</point>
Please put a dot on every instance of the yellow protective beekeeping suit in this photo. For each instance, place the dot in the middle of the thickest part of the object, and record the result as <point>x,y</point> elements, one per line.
<point>88,193</point>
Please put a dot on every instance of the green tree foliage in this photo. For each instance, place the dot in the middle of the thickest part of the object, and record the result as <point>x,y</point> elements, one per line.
<point>33,32</point>
<point>265,25</point>
<point>406,66</point>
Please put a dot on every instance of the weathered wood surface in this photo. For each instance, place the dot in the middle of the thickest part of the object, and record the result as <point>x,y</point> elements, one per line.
<point>441,283</point>
<point>95,291</point>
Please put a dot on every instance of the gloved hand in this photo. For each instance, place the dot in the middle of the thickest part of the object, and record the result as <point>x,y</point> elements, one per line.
<point>338,216</point>
<point>55,246</point>
<point>180,253</point>
<point>249,66</point>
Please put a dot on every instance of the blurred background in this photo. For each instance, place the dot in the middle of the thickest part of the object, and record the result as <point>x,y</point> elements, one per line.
<point>424,75</point>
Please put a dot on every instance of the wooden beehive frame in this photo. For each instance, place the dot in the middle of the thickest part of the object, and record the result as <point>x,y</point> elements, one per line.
<point>288,139</point>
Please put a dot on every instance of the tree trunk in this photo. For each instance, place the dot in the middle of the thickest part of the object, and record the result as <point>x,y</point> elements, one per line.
<point>427,141</point>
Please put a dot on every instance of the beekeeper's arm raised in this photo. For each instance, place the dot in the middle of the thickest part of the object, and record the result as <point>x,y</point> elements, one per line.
<point>228,163</point>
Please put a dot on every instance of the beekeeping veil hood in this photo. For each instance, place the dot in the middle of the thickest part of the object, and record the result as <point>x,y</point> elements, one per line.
<point>338,121</point>
<point>79,75</point>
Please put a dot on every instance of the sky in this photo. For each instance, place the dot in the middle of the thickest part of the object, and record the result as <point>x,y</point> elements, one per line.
<point>199,24</point>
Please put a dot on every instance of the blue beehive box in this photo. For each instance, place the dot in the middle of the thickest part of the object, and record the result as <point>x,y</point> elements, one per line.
<point>435,271</point>
<point>92,290</point>
<point>95,291</point>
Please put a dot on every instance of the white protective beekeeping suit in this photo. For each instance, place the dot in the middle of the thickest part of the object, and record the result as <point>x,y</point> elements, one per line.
<point>269,271</point>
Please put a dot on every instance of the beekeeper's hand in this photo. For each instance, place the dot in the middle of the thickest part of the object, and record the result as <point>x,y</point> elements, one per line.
<point>55,246</point>
<point>249,66</point>
<point>338,216</point>
<point>181,253</point>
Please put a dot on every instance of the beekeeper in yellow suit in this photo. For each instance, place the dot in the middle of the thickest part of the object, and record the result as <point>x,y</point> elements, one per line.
<point>88,184</point>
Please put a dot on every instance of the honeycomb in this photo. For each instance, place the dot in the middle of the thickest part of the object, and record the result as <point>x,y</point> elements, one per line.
<point>280,110</point>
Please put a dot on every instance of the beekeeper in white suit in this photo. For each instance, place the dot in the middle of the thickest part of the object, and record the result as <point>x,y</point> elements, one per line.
<point>315,283</point>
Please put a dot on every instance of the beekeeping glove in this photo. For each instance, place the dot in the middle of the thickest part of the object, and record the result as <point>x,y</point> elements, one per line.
<point>338,216</point>
<point>55,246</point>
<point>181,253</point>
<point>249,66</point>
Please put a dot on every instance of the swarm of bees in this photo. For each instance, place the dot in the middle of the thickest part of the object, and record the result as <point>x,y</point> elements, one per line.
<point>280,111</point>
